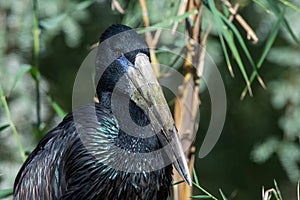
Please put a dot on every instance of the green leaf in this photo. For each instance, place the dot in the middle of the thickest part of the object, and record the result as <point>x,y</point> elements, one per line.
<point>240,40</point>
<point>267,47</point>
<point>277,190</point>
<point>204,191</point>
<point>35,74</point>
<point>226,55</point>
<point>178,182</point>
<point>201,197</point>
<point>61,113</point>
<point>276,10</point>
<point>167,22</point>
<point>288,4</point>
<point>222,194</point>
<point>24,68</point>
<point>4,127</point>
<point>6,193</point>
<point>195,176</point>
<point>230,41</point>
<point>271,39</point>
<point>262,4</point>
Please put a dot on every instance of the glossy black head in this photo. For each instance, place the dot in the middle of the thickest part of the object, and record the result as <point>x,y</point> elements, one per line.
<point>117,29</point>
<point>124,50</point>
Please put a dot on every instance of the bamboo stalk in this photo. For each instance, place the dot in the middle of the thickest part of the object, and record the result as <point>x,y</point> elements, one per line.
<point>149,39</point>
<point>36,53</point>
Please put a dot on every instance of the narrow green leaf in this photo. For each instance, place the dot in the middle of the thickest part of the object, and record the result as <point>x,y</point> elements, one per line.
<point>277,190</point>
<point>6,193</point>
<point>289,4</point>
<point>230,41</point>
<point>24,68</point>
<point>289,29</point>
<point>167,22</point>
<point>61,113</point>
<point>267,47</point>
<point>4,127</point>
<point>226,55</point>
<point>271,39</point>
<point>35,74</point>
<point>11,123</point>
<point>195,176</point>
<point>262,5</point>
<point>204,191</point>
<point>240,39</point>
<point>201,197</point>
<point>222,194</point>
<point>235,52</point>
<point>178,182</point>
<point>276,10</point>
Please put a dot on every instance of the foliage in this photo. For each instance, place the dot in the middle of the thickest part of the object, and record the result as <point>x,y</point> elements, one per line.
<point>19,71</point>
<point>66,18</point>
<point>285,96</point>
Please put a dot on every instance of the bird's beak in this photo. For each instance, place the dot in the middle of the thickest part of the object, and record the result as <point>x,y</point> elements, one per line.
<point>146,93</point>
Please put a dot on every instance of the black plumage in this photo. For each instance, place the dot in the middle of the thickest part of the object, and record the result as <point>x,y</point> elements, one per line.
<point>79,159</point>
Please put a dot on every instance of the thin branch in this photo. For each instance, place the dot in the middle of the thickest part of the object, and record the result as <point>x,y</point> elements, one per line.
<point>116,5</point>
<point>36,52</point>
<point>156,37</point>
<point>149,39</point>
<point>145,13</point>
<point>236,7</point>
<point>250,33</point>
<point>200,66</point>
<point>181,11</point>
<point>188,101</point>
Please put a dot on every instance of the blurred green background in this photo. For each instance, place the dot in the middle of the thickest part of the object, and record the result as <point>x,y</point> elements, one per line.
<point>260,139</point>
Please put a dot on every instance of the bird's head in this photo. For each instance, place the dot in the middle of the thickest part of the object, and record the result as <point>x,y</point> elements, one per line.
<point>124,71</point>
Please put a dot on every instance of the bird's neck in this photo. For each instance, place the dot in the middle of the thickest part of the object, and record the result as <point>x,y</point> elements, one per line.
<point>105,99</point>
<point>130,141</point>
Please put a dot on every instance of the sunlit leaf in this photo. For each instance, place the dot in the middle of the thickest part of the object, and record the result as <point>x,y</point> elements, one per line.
<point>201,197</point>
<point>277,190</point>
<point>222,194</point>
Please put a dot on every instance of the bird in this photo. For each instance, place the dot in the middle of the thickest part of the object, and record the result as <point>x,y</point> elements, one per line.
<point>93,153</point>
